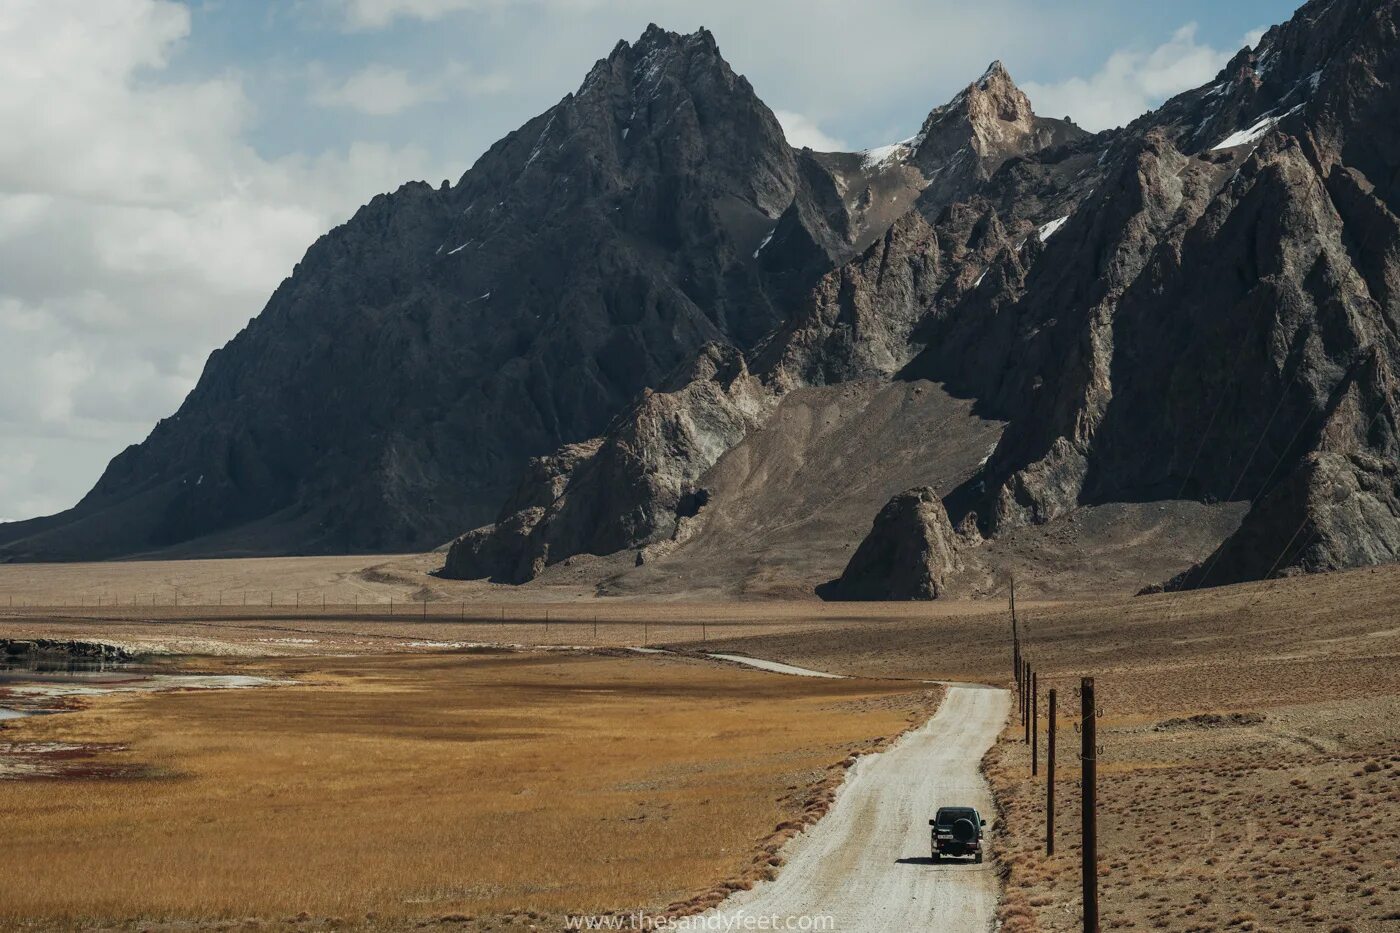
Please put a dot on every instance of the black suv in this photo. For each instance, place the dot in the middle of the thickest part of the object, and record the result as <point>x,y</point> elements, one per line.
<point>957,831</point>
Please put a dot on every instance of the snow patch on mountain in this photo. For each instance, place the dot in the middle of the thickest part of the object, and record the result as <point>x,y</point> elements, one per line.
<point>882,155</point>
<point>1052,228</point>
<point>1254,133</point>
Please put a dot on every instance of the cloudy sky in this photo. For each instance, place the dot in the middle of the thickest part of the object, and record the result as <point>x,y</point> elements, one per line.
<point>164,164</point>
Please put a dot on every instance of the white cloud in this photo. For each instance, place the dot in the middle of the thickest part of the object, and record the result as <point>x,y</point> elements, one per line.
<point>1133,81</point>
<point>376,90</point>
<point>802,131</point>
<point>138,230</point>
<point>381,90</point>
<point>376,14</point>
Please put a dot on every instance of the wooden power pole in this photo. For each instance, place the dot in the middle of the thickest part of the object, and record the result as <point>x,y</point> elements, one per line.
<point>1050,774</point>
<point>1026,705</point>
<point>1035,724</point>
<point>1088,754</point>
<point>1015,635</point>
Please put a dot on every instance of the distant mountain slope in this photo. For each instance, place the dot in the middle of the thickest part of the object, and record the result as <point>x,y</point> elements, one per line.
<point>856,323</point>
<point>1218,320</point>
<point>395,385</point>
<point>1201,305</point>
<point>611,340</point>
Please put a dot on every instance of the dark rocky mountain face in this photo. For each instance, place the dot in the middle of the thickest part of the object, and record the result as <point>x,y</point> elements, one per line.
<point>1199,306</point>
<point>855,323</point>
<point>1215,322</point>
<point>396,384</point>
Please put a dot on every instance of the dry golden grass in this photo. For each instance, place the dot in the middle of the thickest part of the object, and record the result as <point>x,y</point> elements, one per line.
<point>1300,812</point>
<point>425,786</point>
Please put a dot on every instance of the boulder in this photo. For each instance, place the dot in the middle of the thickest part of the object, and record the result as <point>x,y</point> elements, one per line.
<point>908,555</point>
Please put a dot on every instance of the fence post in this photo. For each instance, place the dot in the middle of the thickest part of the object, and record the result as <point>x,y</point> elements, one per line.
<point>1026,704</point>
<point>1088,792</point>
<point>1035,724</point>
<point>1015,636</point>
<point>1021,691</point>
<point>1050,774</point>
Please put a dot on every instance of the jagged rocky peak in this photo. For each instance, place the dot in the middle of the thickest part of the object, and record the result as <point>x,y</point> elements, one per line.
<point>1310,70</point>
<point>964,142</point>
<point>998,111</point>
<point>667,102</point>
<point>991,117</point>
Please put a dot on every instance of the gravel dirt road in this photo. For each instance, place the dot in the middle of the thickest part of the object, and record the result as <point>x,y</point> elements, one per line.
<point>866,863</point>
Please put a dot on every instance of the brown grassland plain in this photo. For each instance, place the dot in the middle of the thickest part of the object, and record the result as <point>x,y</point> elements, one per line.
<point>393,789</point>
<point>1250,771</point>
<point>1249,779</point>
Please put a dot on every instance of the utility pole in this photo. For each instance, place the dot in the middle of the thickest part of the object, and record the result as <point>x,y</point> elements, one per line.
<point>1050,774</point>
<point>1026,709</point>
<point>1015,634</point>
<point>1088,792</point>
<point>1035,724</point>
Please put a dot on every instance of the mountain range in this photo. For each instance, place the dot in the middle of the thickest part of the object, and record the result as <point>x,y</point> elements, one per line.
<point>644,344</point>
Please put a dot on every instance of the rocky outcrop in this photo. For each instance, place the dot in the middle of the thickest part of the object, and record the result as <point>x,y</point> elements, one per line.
<point>909,554</point>
<point>627,488</point>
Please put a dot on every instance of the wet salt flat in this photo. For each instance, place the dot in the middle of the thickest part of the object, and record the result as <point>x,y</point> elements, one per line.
<point>71,685</point>
<point>32,690</point>
<point>25,690</point>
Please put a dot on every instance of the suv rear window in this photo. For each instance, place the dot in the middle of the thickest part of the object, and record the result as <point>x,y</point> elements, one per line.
<point>950,815</point>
